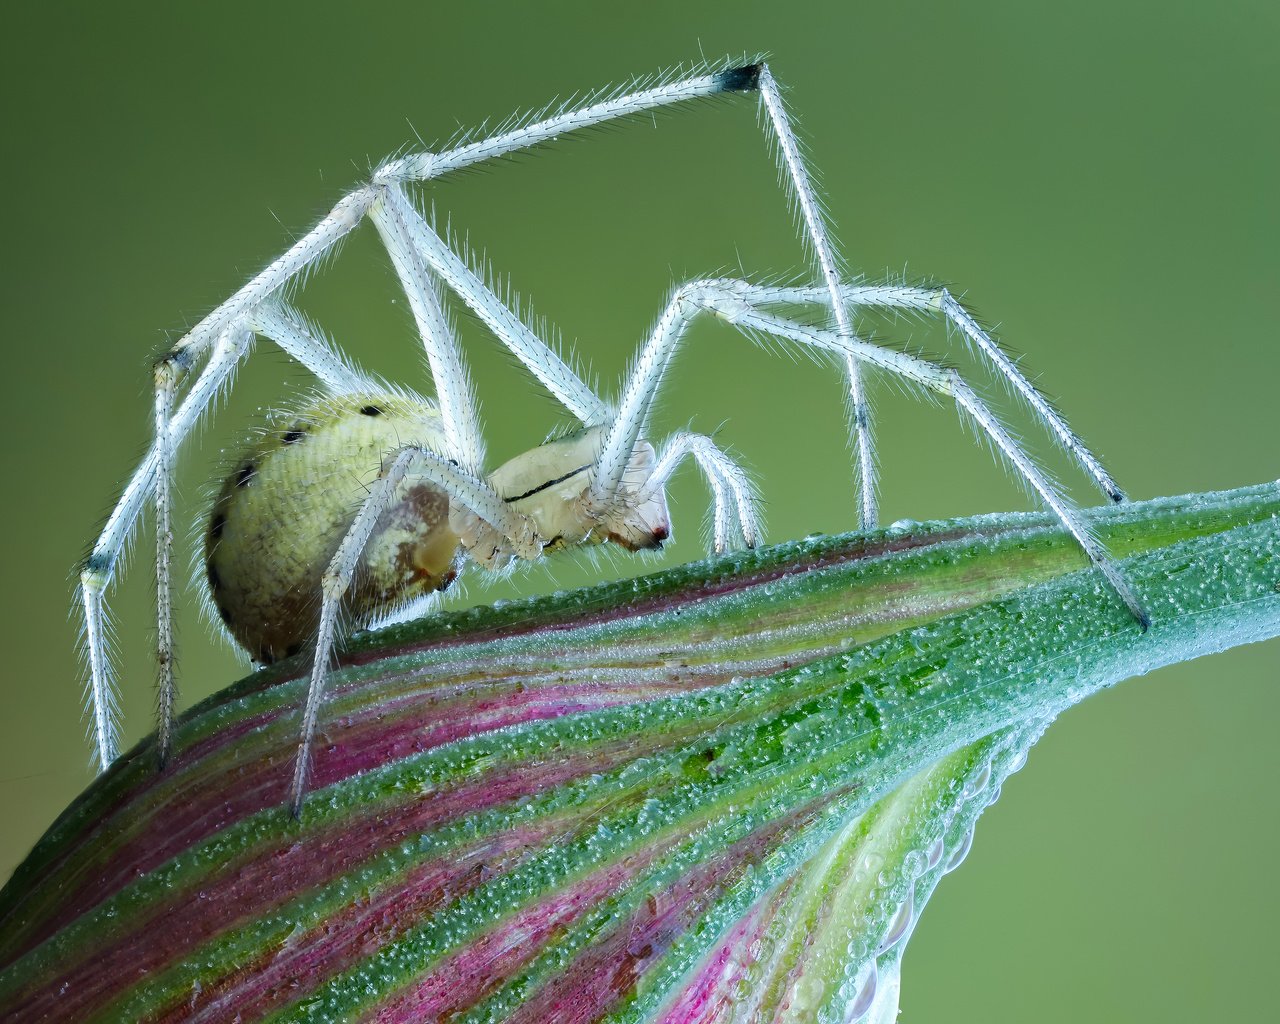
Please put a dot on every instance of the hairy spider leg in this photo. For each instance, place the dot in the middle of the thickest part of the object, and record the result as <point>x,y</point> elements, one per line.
<point>454,394</point>
<point>98,569</point>
<point>940,300</point>
<point>830,269</point>
<point>734,301</point>
<point>270,320</point>
<point>165,388</point>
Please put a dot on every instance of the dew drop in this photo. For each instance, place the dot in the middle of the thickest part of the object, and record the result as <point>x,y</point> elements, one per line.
<point>978,783</point>
<point>885,1008</point>
<point>935,854</point>
<point>960,852</point>
<point>866,994</point>
<point>807,993</point>
<point>900,923</point>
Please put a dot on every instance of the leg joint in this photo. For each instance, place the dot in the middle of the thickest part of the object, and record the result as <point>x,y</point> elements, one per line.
<point>694,293</point>
<point>334,584</point>
<point>725,298</point>
<point>95,572</point>
<point>740,79</point>
<point>415,167</point>
<point>173,365</point>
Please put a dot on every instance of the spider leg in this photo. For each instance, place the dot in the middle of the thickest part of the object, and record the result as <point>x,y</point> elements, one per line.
<point>940,300</point>
<point>166,386</point>
<point>829,268</point>
<point>153,478</point>
<point>468,491</point>
<point>967,324</point>
<point>732,301</point>
<point>428,166</point>
<point>348,212</point>
<point>555,374</point>
<point>98,570</point>
<point>733,512</point>
<point>291,332</point>
<point>452,384</point>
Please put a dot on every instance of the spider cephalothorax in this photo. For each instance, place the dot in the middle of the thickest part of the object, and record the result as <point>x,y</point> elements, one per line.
<point>370,497</point>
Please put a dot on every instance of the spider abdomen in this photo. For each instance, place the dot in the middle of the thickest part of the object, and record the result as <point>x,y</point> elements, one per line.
<point>290,500</point>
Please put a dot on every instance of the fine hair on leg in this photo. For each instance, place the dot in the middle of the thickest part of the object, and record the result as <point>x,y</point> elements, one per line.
<point>940,300</point>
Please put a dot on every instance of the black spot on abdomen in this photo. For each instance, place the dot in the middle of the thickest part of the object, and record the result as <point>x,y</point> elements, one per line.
<point>245,474</point>
<point>292,436</point>
<point>370,410</point>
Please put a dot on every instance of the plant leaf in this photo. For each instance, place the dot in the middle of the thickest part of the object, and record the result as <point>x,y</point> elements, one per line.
<point>721,793</point>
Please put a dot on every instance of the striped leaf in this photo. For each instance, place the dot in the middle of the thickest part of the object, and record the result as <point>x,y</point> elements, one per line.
<point>721,793</point>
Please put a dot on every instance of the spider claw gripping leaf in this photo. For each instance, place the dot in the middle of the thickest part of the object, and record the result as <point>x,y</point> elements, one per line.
<point>723,793</point>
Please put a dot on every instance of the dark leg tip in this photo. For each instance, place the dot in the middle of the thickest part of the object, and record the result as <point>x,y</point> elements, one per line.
<point>743,79</point>
<point>1144,621</point>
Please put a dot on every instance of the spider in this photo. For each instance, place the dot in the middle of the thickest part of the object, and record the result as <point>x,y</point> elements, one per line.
<point>293,553</point>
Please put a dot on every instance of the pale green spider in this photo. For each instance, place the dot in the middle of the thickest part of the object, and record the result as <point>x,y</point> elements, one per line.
<point>390,490</point>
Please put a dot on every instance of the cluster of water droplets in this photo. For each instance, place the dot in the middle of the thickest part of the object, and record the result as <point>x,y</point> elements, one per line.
<point>877,984</point>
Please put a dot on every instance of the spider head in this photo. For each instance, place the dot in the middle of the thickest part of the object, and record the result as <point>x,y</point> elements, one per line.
<point>551,485</point>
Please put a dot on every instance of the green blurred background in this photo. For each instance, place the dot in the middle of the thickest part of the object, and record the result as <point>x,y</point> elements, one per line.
<point>1100,178</point>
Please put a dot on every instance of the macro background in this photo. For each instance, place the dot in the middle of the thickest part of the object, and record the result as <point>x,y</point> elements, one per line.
<point>1098,177</point>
